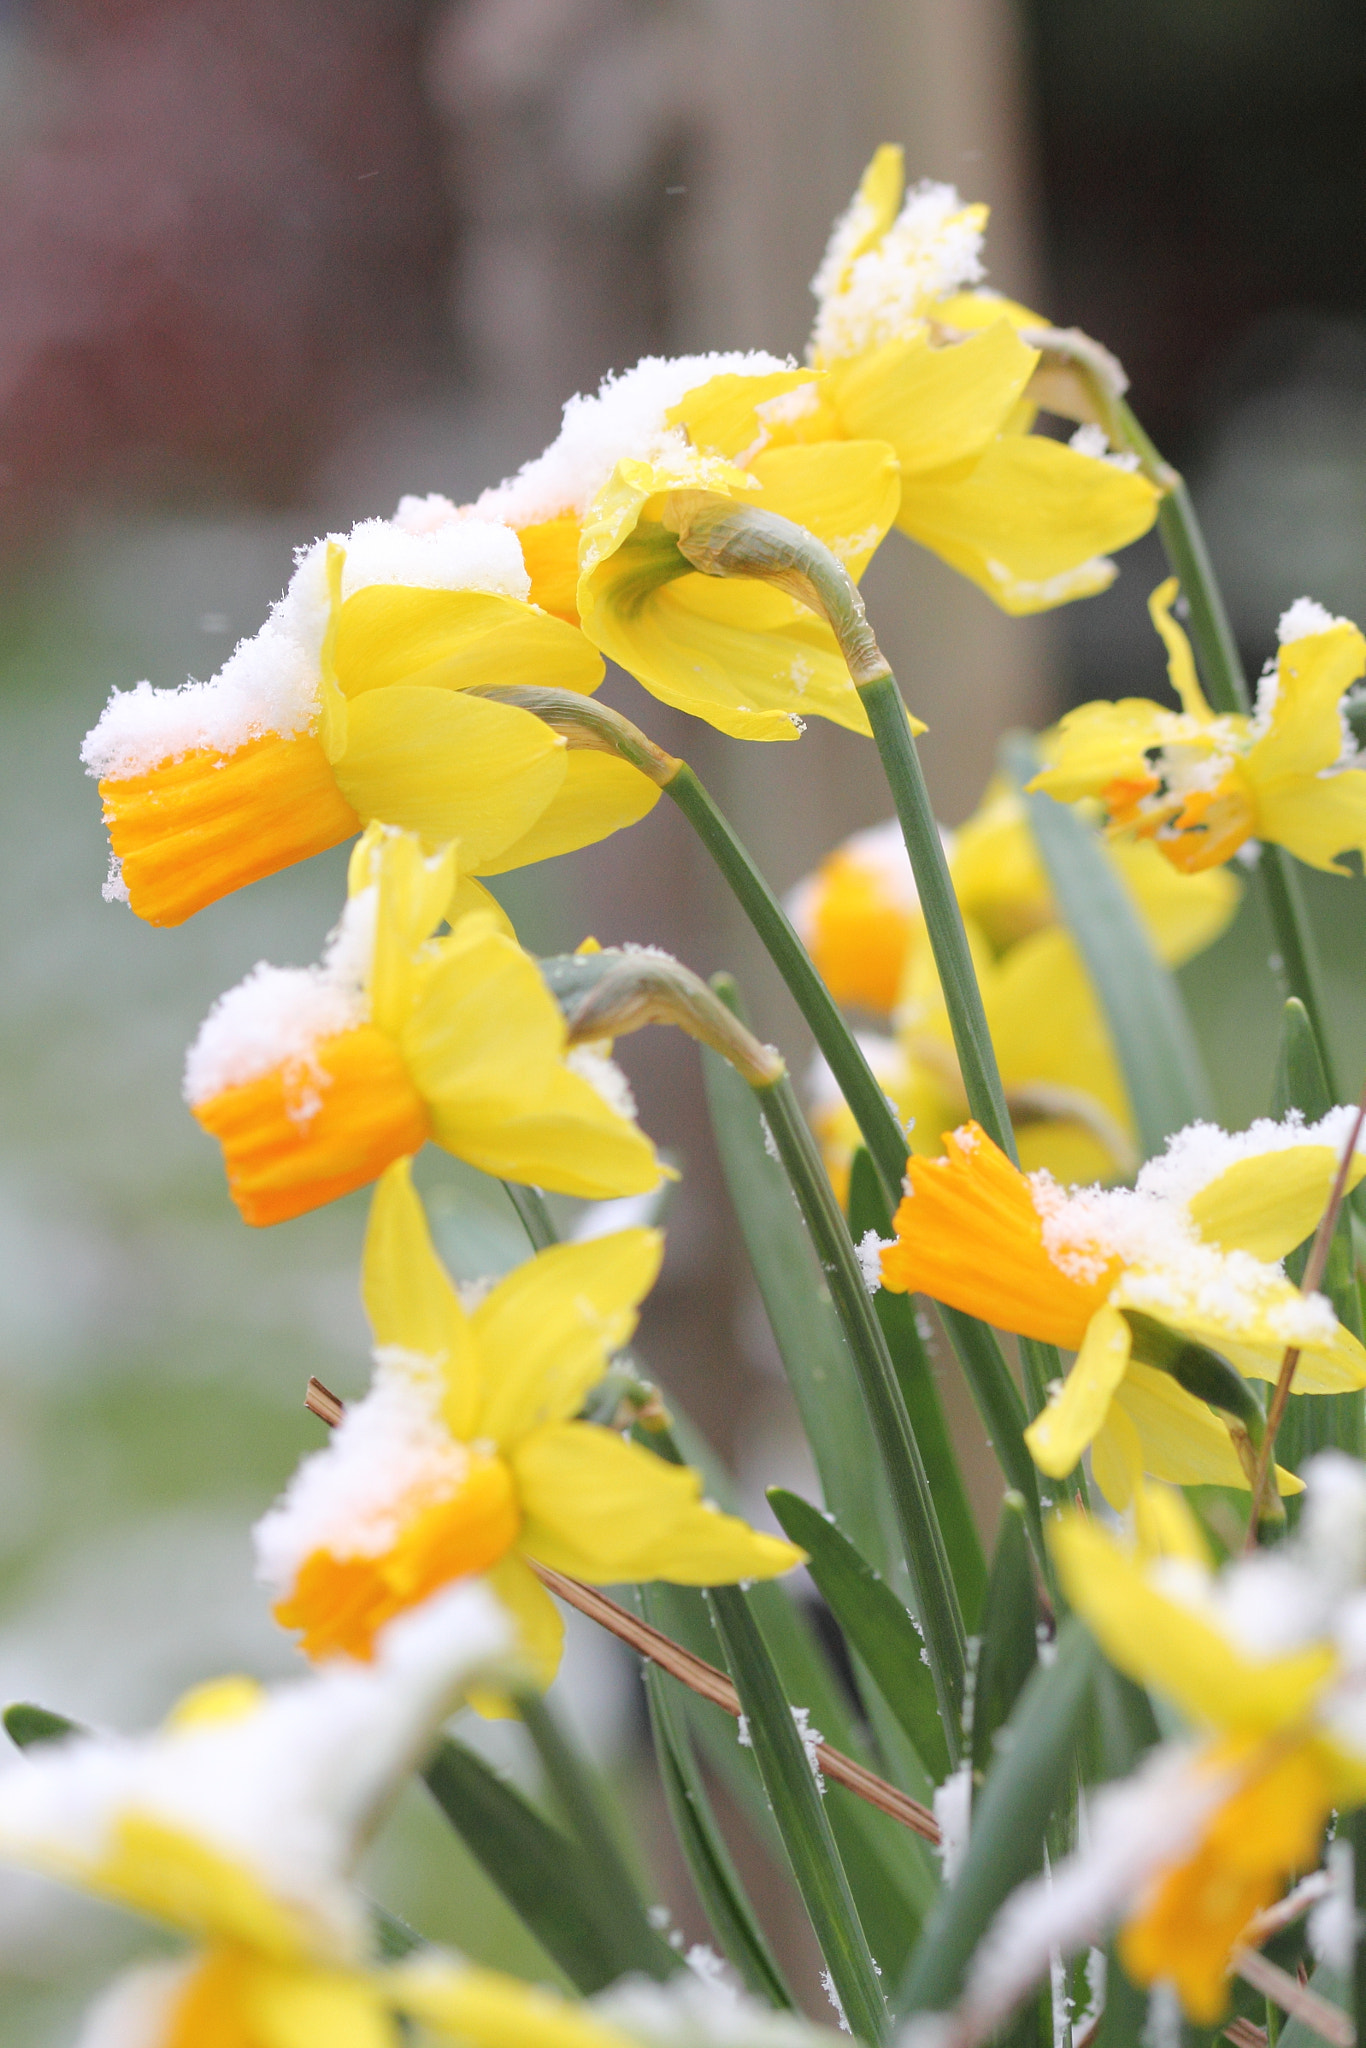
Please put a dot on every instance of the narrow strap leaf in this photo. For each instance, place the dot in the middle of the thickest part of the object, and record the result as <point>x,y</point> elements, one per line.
<point>1009,1636</point>
<point>1008,1821</point>
<point>874,1622</point>
<point>998,1403</point>
<point>724,1899</point>
<point>800,1815</point>
<point>1164,1075</point>
<point>543,1875</point>
<point>868,1210</point>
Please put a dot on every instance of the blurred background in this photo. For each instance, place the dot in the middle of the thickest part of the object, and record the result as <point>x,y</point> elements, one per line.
<point>265,264</point>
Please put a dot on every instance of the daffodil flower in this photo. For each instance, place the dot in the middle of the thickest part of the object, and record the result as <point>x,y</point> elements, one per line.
<point>352,704</point>
<point>466,1456</point>
<point>238,1824</point>
<point>1193,1247</point>
<point>1200,786</point>
<point>860,918</point>
<point>1263,1661</point>
<point>315,1079</point>
<point>906,351</point>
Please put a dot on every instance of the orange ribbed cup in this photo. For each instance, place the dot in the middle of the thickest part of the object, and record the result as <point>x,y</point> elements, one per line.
<point>340,1603</point>
<point>860,939</point>
<point>968,1234</point>
<point>301,1136</point>
<point>198,828</point>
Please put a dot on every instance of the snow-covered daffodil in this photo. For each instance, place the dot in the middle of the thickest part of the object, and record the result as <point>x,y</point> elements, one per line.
<point>353,704</point>
<point>859,915</point>
<point>1200,785</point>
<point>907,352</point>
<point>1193,1247</point>
<point>315,1079</point>
<point>466,1457</point>
<point>238,1825</point>
<point>599,512</point>
<point>1264,1661</point>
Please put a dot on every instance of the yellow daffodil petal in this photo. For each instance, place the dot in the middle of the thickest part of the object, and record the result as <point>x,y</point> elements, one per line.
<point>172,1876</point>
<point>997,874</point>
<point>1050,1037</point>
<point>549,1327</point>
<point>1102,743</point>
<point>935,405</point>
<point>1255,1343</point>
<point>1059,1435</point>
<point>550,551</point>
<point>390,633</point>
<point>601,1509</point>
<point>1316,818</point>
<point>415,891</point>
<point>468,896</point>
<point>845,492</point>
<point>1029,520</point>
<point>482,2009</point>
<point>1178,1439</point>
<point>301,2008</point>
<point>721,415</point>
<point>540,1630</point>
<point>1180,660</point>
<point>600,794</point>
<point>1304,733</point>
<point>973,309</point>
<point>1268,1202</point>
<point>1163,1643</point>
<point>1182,913</point>
<point>409,1297</point>
<point>872,211</point>
<point>450,766</point>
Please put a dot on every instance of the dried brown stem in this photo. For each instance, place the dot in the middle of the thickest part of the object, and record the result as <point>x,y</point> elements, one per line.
<point>1313,1275</point>
<point>700,1677</point>
<point>1327,2021</point>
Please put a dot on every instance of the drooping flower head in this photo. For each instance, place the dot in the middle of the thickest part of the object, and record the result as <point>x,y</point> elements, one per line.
<point>352,704</point>
<point>239,1824</point>
<point>860,918</point>
<point>1201,786</point>
<point>1263,1661</point>
<point>315,1079</point>
<point>466,1455</point>
<point>910,352</point>
<point>1194,1247</point>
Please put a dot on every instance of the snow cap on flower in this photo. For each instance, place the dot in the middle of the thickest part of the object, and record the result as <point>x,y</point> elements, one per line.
<point>881,279</point>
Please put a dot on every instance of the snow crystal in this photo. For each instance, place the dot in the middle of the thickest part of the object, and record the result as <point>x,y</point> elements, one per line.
<point>1305,616</point>
<point>868,1251</point>
<point>277,1016</point>
<point>285,1789</point>
<point>811,1743</point>
<point>700,2011</point>
<point>932,249</point>
<point>953,1811</point>
<point>424,515</point>
<point>829,1988</point>
<point>1333,1924</point>
<point>1093,440</point>
<point>626,417</point>
<point>139,2007</point>
<point>604,1077</point>
<point>461,554</point>
<point>389,1456</point>
<point>1202,1151</point>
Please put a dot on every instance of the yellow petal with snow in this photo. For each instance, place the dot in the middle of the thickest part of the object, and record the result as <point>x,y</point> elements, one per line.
<point>549,1327</point>
<point>172,1876</point>
<point>1304,733</point>
<point>449,766</point>
<point>845,492</point>
<point>1029,520</point>
<point>873,209</point>
<point>1059,1435</point>
<point>1268,1202</point>
<point>1101,743</point>
<point>409,1298</point>
<point>1178,1438</point>
<point>935,405</point>
<point>1163,1643</point>
<point>721,415</point>
<point>1182,913</point>
<point>301,2008</point>
<point>1317,819</point>
<point>540,1631</point>
<point>601,1509</point>
<point>600,794</point>
<point>390,633</point>
<point>483,2009</point>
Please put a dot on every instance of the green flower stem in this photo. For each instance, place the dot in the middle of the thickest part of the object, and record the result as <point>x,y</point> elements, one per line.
<point>943,918</point>
<point>579,1798</point>
<point>1221,671</point>
<point>799,1811</point>
<point>857,1083</point>
<point>927,1561</point>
